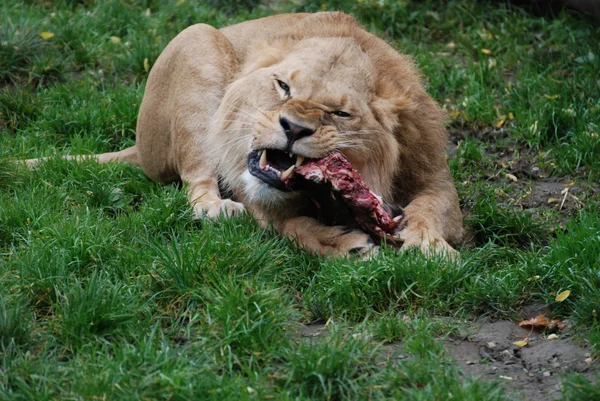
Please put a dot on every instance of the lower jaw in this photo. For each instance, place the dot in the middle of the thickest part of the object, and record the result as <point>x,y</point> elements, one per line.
<point>268,178</point>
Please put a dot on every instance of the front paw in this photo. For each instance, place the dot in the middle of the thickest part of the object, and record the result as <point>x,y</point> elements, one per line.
<point>351,242</point>
<point>429,241</point>
<point>315,237</point>
<point>216,209</point>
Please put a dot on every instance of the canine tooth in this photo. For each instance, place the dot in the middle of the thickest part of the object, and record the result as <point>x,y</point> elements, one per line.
<point>287,173</point>
<point>263,159</point>
<point>299,160</point>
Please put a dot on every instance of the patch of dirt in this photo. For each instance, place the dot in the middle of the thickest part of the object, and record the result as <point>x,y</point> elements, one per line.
<point>531,186</point>
<point>488,352</point>
<point>533,372</point>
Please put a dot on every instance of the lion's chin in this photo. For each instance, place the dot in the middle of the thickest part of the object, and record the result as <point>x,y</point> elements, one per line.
<point>259,192</point>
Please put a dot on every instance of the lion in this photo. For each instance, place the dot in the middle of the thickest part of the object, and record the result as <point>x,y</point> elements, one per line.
<point>294,87</point>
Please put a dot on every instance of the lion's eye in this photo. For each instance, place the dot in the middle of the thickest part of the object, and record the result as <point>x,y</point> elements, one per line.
<point>284,86</point>
<point>342,114</point>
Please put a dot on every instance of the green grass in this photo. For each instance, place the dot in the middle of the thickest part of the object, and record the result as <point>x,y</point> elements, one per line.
<point>108,288</point>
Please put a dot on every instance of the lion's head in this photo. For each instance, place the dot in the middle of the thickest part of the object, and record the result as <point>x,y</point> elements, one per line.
<point>304,95</point>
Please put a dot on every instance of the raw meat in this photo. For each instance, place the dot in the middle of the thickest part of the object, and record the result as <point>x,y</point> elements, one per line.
<point>338,181</point>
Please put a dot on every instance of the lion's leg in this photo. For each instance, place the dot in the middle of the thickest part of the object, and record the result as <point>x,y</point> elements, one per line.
<point>432,220</point>
<point>204,195</point>
<point>183,93</point>
<point>327,240</point>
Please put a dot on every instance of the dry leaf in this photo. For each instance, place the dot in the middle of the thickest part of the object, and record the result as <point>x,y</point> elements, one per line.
<point>538,321</point>
<point>500,122</point>
<point>506,378</point>
<point>46,35</point>
<point>511,177</point>
<point>115,39</point>
<point>552,337</point>
<point>146,65</point>
<point>487,52</point>
<point>522,343</point>
<point>551,97</point>
<point>552,200</point>
<point>562,296</point>
<point>588,361</point>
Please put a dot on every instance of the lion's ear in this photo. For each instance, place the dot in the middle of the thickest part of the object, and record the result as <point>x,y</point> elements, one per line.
<point>262,54</point>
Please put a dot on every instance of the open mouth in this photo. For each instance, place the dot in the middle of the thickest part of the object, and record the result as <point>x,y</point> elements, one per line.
<point>273,166</point>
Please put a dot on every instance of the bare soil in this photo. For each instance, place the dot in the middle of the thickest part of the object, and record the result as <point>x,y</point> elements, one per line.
<point>532,186</point>
<point>487,351</point>
<point>533,372</point>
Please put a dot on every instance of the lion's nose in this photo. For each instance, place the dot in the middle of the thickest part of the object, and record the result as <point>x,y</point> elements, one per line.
<point>294,131</point>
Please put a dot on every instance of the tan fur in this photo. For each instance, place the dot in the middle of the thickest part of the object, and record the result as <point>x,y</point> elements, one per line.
<point>212,96</point>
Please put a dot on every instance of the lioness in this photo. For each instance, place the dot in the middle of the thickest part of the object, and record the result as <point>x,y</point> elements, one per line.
<point>292,87</point>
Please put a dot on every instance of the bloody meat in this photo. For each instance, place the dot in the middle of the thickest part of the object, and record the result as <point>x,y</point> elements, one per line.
<point>339,182</point>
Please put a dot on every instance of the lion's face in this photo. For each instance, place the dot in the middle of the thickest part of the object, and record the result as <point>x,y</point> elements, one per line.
<point>318,98</point>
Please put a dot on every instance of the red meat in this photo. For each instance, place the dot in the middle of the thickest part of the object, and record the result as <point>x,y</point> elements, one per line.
<point>335,173</point>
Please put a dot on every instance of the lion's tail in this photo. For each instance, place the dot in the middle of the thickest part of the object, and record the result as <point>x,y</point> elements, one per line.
<point>129,155</point>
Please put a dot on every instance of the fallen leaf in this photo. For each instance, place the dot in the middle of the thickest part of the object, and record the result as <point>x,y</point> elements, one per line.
<point>501,122</point>
<point>511,177</point>
<point>551,97</point>
<point>552,337</point>
<point>552,200</point>
<point>46,35</point>
<point>554,326</point>
<point>562,296</point>
<point>506,378</point>
<point>146,65</point>
<point>588,361</point>
<point>115,39</point>
<point>487,52</point>
<point>538,321</point>
<point>522,343</point>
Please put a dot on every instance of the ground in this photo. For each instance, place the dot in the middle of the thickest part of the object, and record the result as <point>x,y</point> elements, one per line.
<point>110,290</point>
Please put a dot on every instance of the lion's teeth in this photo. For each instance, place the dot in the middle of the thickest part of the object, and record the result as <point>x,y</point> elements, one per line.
<point>299,160</point>
<point>287,173</point>
<point>263,159</point>
<point>290,154</point>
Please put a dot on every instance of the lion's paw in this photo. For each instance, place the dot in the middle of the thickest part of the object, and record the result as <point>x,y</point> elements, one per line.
<point>430,243</point>
<point>416,233</point>
<point>217,209</point>
<point>346,241</point>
